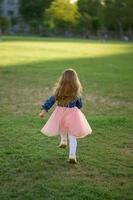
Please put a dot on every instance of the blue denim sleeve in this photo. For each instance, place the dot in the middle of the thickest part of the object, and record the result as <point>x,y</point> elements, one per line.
<point>48,103</point>
<point>79,103</point>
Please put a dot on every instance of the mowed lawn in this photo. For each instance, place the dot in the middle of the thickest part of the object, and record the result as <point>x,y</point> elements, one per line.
<point>32,165</point>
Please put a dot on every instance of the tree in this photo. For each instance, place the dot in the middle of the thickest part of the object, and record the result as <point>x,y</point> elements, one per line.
<point>90,11</point>
<point>114,15</point>
<point>32,11</point>
<point>5,24</point>
<point>62,15</point>
<point>118,14</point>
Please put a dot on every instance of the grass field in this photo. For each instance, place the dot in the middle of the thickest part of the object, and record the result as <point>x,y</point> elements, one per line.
<point>32,165</point>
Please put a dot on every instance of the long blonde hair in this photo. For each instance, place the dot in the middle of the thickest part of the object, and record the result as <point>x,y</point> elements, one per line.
<point>68,87</point>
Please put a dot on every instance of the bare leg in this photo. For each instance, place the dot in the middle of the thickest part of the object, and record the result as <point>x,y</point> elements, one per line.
<point>63,142</point>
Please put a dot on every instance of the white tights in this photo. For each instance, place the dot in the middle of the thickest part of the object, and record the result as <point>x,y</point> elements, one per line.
<point>72,143</point>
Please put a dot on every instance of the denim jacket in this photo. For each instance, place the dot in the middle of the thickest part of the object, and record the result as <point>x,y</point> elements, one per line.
<point>51,100</point>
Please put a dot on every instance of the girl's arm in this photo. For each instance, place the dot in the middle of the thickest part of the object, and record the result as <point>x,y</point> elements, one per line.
<point>79,103</point>
<point>47,105</point>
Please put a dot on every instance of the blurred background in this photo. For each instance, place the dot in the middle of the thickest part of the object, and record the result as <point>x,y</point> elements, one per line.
<point>102,19</point>
<point>39,39</point>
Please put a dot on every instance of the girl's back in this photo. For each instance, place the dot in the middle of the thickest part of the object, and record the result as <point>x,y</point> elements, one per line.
<point>67,118</point>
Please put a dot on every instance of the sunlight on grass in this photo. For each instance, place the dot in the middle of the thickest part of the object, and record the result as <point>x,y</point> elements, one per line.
<point>32,165</point>
<point>20,52</point>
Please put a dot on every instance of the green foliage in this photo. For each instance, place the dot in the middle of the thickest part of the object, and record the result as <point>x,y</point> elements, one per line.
<point>90,14</point>
<point>118,14</point>
<point>33,9</point>
<point>62,14</point>
<point>110,14</point>
<point>5,24</point>
<point>83,17</point>
<point>84,24</point>
<point>32,12</point>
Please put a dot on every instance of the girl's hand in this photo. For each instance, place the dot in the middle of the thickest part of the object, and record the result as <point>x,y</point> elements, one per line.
<point>42,114</point>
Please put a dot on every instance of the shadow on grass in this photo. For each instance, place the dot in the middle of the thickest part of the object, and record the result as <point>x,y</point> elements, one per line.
<point>107,83</point>
<point>97,74</point>
<point>32,166</point>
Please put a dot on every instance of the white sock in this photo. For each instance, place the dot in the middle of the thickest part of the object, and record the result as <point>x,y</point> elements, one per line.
<point>72,145</point>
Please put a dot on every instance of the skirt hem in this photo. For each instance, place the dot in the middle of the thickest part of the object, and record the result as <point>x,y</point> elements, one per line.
<point>55,135</point>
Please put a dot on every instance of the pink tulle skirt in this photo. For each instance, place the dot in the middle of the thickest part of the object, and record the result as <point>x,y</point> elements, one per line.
<point>67,120</point>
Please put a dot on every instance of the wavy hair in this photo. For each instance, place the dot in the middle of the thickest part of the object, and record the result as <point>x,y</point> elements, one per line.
<point>68,87</point>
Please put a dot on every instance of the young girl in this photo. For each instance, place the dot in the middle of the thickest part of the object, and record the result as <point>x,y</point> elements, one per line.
<point>67,120</point>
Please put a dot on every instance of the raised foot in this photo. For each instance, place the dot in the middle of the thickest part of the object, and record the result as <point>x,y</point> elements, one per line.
<point>62,145</point>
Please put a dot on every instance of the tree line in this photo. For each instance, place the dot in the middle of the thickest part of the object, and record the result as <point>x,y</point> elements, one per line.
<point>87,18</point>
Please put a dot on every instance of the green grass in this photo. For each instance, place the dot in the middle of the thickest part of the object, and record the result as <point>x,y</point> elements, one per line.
<point>32,165</point>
